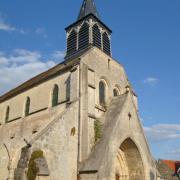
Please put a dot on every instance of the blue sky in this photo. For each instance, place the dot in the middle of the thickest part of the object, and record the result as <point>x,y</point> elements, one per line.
<point>146,40</point>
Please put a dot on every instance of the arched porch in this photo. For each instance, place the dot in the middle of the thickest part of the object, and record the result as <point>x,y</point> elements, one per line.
<point>129,164</point>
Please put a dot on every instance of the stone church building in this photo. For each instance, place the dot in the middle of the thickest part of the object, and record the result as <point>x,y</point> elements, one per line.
<point>79,120</point>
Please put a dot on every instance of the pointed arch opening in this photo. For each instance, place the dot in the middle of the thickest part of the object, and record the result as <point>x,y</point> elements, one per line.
<point>116,92</point>
<point>55,95</point>
<point>7,114</point>
<point>129,164</point>
<point>4,162</point>
<point>102,93</point>
<point>84,36</point>
<point>106,44</point>
<point>27,106</point>
<point>96,36</point>
<point>34,165</point>
<point>72,42</point>
<point>37,166</point>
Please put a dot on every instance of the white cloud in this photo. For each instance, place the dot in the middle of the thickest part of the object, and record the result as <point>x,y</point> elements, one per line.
<point>162,132</point>
<point>151,81</point>
<point>174,154</point>
<point>19,66</point>
<point>58,55</point>
<point>22,55</point>
<point>41,32</point>
<point>3,61</point>
<point>4,26</point>
<point>177,151</point>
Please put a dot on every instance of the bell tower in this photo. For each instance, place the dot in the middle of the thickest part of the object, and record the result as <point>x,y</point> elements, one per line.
<point>88,31</point>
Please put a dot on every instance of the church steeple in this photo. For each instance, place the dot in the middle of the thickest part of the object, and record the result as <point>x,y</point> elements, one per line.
<point>88,31</point>
<point>88,7</point>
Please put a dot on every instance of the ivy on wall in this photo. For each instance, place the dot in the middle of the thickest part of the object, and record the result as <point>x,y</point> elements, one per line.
<point>32,167</point>
<point>97,130</point>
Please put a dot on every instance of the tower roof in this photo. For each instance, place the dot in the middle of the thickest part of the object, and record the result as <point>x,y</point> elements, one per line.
<point>88,7</point>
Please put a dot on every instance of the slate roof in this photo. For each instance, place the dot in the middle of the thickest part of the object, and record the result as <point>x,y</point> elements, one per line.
<point>88,7</point>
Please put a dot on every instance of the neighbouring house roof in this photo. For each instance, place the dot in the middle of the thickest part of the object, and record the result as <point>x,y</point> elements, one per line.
<point>170,164</point>
<point>167,169</point>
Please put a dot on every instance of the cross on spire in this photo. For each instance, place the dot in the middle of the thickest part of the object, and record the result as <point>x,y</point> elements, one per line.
<point>88,7</point>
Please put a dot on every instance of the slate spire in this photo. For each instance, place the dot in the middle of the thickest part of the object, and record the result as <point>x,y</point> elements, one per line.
<point>88,7</point>
<point>88,31</point>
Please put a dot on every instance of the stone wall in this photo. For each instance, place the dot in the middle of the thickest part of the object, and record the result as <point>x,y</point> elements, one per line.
<point>119,127</point>
<point>40,96</point>
<point>60,145</point>
<point>54,130</point>
<point>96,66</point>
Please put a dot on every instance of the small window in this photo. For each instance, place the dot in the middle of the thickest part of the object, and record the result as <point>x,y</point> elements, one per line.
<point>7,114</point>
<point>27,106</point>
<point>55,96</point>
<point>115,92</point>
<point>117,177</point>
<point>102,93</point>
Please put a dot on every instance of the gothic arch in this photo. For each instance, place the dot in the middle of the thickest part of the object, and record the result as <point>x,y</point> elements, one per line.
<point>106,80</point>
<point>72,29</point>
<point>31,164</point>
<point>55,96</point>
<point>103,92</point>
<point>27,106</point>
<point>7,114</point>
<point>4,162</point>
<point>129,163</point>
<point>84,22</point>
<point>96,36</point>
<point>83,41</point>
<point>37,166</point>
<point>106,44</point>
<point>116,91</point>
<point>72,42</point>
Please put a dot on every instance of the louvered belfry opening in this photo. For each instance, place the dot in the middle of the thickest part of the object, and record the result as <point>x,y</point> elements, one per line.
<point>84,36</point>
<point>96,36</point>
<point>106,44</point>
<point>72,42</point>
<point>87,31</point>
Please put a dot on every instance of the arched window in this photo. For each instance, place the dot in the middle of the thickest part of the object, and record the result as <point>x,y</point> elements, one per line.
<point>27,106</point>
<point>96,36</point>
<point>84,36</point>
<point>55,95</point>
<point>72,42</point>
<point>102,93</point>
<point>106,44</point>
<point>117,177</point>
<point>115,92</point>
<point>7,114</point>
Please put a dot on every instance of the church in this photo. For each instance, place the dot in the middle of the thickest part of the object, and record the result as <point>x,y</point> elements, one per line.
<point>79,120</point>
